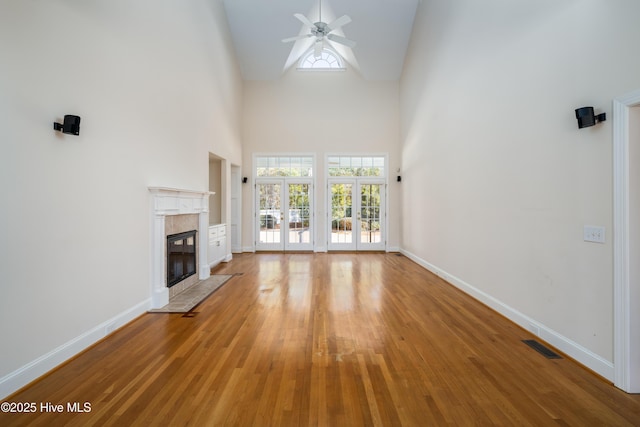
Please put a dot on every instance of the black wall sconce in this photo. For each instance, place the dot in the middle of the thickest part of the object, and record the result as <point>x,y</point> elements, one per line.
<point>244,180</point>
<point>586,117</point>
<point>70,125</point>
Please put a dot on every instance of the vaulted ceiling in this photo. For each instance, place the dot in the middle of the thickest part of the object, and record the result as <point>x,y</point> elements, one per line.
<point>380,28</point>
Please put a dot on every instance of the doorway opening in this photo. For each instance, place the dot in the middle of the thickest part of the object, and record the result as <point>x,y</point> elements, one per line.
<point>284,219</point>
<point>357,214</point>
<point>626,228</point>
<point>284,203</point>
<point>356,190</point>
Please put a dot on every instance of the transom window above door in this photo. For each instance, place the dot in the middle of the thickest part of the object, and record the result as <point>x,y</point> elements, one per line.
<point>356,166</point>
<point>278,166</point>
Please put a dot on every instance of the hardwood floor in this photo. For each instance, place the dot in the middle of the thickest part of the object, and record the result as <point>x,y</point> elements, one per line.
<point>329,340</point>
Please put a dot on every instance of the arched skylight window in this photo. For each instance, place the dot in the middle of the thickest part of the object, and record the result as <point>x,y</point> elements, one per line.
<point>328,60</point>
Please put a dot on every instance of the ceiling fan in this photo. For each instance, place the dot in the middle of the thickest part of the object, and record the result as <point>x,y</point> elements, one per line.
<point>321,29</point>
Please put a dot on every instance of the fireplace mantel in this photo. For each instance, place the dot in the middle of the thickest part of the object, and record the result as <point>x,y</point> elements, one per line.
<point>167,201</point>
<point>174,201</point>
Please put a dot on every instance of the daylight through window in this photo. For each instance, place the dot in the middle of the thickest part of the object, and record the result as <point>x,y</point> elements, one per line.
<point>328,60</point>
<point>271,166</point>
<point>356,166</point>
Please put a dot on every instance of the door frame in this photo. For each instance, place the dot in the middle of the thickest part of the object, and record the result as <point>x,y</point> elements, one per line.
<point>256,178</point>
<point>285,244</point>
<point>288,245</point>
<point>236,209</point>
<point>329,221</point>
<point>257,215</point>
<point>356,200</point>
<point>625,350</point>
<point>382,246</point>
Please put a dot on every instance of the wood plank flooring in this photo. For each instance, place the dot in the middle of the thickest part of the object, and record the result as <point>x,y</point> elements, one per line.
<point>327,340</point>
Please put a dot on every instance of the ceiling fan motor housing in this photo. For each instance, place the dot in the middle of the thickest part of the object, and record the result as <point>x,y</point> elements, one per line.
<point>321,29</point>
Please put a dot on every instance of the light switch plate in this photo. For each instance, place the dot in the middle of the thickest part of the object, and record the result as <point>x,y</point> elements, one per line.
<point>594,233</point>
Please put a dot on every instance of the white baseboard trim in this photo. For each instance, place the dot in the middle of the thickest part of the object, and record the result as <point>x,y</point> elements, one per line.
<point>227,258</point>
<point>581,354</point>
<point>393,249</point>
<point>250,249</point>
<point>17,379</point>
<point>320,249</point>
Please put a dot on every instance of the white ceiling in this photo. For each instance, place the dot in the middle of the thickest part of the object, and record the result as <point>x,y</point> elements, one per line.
<point>381,29</point>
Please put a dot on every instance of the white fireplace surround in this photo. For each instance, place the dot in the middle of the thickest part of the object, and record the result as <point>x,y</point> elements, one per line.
<point>172,201</point>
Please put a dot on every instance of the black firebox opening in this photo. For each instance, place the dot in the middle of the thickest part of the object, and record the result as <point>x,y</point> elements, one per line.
<point>181,256</point>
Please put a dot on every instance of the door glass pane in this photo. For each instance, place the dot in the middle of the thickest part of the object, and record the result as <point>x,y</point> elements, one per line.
<point>284,168</point>
<point>269,213</point>
<point>306,168</point>
<point>341,217</point>
<point>299,213</point>
<point>370,213</point>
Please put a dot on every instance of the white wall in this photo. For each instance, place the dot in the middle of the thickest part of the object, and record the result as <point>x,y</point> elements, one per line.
<point>321,113</point>
<point>157,87</point>
<point>495,164</point>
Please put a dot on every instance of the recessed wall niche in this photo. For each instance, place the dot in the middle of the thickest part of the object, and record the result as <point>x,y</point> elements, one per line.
<point>215,185</point>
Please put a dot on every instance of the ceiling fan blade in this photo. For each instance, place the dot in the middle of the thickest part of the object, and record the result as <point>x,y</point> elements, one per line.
<point>343,20</point>
<point>304,20</point>
<point>317,49</point>
<point>292,39</point>
<point>342,40</point>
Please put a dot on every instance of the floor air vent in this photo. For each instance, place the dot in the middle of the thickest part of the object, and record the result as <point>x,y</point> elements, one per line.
<point>542,349</point>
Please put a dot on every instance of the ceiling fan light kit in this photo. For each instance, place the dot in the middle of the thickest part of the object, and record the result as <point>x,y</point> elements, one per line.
<point>321,30</point>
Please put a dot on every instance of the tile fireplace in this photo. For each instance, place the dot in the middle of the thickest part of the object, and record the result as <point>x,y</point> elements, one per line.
<point>176,212</point>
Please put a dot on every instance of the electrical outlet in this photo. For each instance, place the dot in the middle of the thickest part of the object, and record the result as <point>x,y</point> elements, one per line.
<point>593,233</point>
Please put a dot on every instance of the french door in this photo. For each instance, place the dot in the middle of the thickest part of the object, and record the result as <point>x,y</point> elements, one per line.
<point>284,214</point>
<point>357,216</point>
